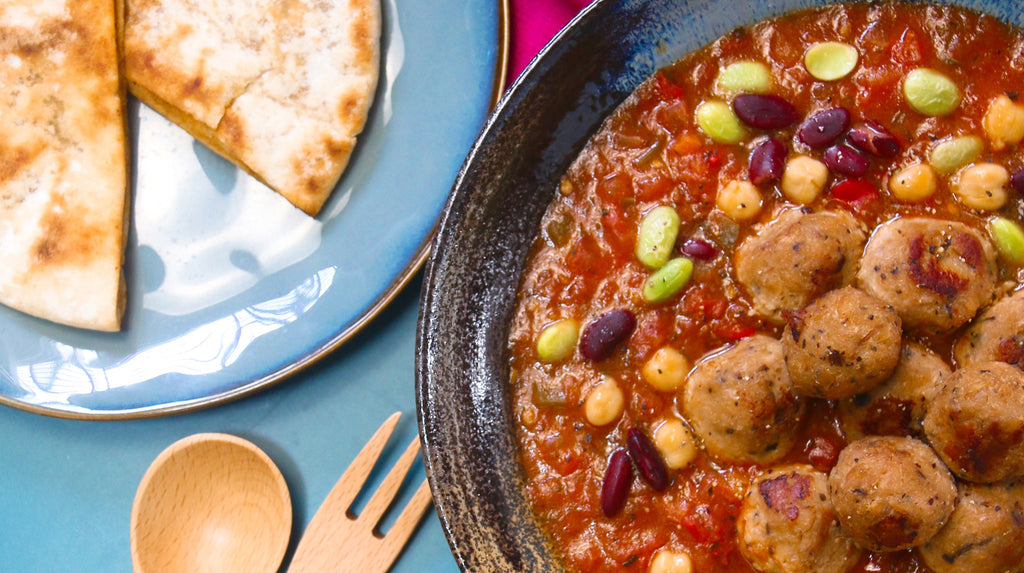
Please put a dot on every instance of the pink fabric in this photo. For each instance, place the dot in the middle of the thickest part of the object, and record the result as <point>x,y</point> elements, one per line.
<point>533,23</point>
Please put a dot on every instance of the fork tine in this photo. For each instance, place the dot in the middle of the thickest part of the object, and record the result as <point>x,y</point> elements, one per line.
<point>385,494</point>
<point>401,531</point>
<point>334,541</point>
<point>351,482</point>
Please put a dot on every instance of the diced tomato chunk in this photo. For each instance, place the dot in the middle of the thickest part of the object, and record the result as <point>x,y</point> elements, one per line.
<point>906,50</point>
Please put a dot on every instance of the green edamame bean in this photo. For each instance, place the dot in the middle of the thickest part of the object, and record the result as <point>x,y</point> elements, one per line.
<point>828,61</point>
<point>930,92</point>
<point>951,154</point>
<point>744,77</point>
<point>719,122</point>
<point>1009,239</point>
<point>657,236</point>
<point>668,280</point>
<point>558,340</point>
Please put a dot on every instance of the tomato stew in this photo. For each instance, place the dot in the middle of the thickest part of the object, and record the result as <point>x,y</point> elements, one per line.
<point>868,111</point>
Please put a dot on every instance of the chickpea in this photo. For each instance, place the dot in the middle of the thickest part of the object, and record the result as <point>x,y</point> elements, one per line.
<point>605,403</point>
<point>666,369</point>
<point>739,200</point>
<point>913,183</point>
<point>982,186</point>
<point>803,179</point>
<point>676,443</point>
<point>1004,122</point>
<point>666,561</point>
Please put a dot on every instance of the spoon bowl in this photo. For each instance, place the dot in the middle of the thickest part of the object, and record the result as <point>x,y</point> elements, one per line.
<point>211,502</point>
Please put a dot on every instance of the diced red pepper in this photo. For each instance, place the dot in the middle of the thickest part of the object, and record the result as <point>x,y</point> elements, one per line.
<point>731,331</point>
<point>666,89</point>
<point>855,192</point>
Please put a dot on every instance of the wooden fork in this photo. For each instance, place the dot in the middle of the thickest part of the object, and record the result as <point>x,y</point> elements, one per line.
<point>335,540</point>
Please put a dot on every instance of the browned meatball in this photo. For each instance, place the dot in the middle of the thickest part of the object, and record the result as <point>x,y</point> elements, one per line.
<point>896,407</point>
<point>796,258</point>
<point>787,525</point>
<point>935,273</point>
<point>984,533</point>
<point>976,422</point>
<point>891,493</point>
<point>997,334</point>
<point>740,402</point>
<point>842,344</point>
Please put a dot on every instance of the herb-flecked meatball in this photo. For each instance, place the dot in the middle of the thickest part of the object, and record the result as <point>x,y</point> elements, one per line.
<point>796,258</point>
<point>996,334</point>
<point>891,493</point>
<point>936,274</point>
<point>976,422</point>
<point>787,525</point>
<point>842,344</point>
<point>897,406</point>
<point>740,402</point>
<point>984,533</point>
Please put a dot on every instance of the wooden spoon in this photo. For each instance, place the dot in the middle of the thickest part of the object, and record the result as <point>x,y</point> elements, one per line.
<point>211,502</point>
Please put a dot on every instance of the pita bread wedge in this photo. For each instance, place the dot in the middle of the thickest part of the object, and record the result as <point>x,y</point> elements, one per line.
<point>63,166</point>
<point>279,87</point>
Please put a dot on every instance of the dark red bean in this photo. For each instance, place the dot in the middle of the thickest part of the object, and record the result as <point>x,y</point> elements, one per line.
<point>764,111</point>
<point>846,160</point>
<point>1017,181</point>
<point>602,336</point>
<point>824,127</point>
<point>699,249</point>
<point>647,459</point>
<point>872,137</point>
<point>767,161</point>
<point>618,478</point>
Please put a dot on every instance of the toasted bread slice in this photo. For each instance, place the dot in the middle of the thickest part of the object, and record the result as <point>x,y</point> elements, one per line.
<point>280,88</point>
<point>63,162</point>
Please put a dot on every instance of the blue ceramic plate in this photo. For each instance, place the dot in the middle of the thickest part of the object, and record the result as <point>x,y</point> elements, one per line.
<point>230,288</point>
<point>483,238</point>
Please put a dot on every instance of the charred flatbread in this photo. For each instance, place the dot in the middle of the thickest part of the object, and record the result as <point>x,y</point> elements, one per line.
<point>279,87</point>
<point>63,166</point>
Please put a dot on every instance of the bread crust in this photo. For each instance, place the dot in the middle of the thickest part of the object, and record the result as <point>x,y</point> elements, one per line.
<point>63,162</point>
<point>281,88</point>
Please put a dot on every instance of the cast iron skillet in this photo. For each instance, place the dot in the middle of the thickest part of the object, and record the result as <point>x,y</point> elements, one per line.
<point>484,234</point>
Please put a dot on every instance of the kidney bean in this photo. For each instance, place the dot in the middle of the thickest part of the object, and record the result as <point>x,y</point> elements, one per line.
<point>824,127</point>
<point>647,459</point>
<point>846,160</point>
<point>767,161</point>
<point>1017,181</point>
<point>699,249</point>
<point>617,480</point>
<point>764,111</point>
<point>872,137</point>
<point>602,336</point>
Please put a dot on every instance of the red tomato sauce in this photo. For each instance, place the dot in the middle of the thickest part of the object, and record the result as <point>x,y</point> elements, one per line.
<point>650,152</point>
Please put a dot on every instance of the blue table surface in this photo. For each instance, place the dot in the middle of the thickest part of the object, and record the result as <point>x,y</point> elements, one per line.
<point>69,485</point>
